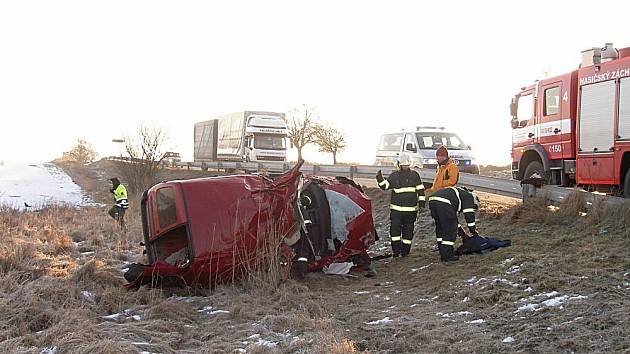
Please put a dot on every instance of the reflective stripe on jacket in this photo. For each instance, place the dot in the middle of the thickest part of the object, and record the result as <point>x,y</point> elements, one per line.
<point>407,190</point>
<point>120,194</point>
<point>460,200</point>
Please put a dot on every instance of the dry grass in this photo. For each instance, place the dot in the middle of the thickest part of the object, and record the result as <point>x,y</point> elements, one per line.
<point>52,295</point>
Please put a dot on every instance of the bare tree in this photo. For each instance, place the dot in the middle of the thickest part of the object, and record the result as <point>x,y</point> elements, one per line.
<point>330,140</point>
<point>83,152</point>
<point>144,152</point>
<point>301,127</point>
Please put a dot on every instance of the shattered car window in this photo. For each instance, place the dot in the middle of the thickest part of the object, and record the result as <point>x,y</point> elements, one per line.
<point>342,211</point>
<point>167,213</point>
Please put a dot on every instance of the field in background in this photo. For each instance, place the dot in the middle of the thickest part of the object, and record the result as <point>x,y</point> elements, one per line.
<point>563,286</point>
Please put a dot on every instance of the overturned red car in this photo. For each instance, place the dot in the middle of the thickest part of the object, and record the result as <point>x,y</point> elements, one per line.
<point>203,231</point>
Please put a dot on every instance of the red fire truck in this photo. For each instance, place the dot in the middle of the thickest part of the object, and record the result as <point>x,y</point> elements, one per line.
<point>574,129</point>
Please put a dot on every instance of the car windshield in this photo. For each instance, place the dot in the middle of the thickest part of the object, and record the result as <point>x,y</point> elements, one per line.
<point>269,142</point>
<point>434,140</point>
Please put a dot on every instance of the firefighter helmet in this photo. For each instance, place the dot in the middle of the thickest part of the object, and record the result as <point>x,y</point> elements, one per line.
<point>404,159</point>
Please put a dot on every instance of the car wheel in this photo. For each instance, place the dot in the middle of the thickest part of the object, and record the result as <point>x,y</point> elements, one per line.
<point>535,167</point>
<point>626,185</point>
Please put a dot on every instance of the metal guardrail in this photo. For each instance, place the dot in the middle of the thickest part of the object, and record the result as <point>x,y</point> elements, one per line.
<point>505,187</point>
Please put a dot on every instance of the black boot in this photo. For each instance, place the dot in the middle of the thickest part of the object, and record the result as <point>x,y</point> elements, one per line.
<point>446,253</point>
<point>396,249</point>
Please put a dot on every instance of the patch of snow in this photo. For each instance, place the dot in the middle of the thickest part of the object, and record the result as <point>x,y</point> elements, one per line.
<point>413,305</point>
<point>513,269</point>
<point>471,279</point>
<point>508,340</point>
<point>240,350</point>
<point>557,301</point>
<point>361,292</point>
<point>385,320</point>
<point>90,253</point>
<point>480,280</point>
<point>466,299</point>
<point>217,311</point>
<point>435,297</point>
<point>87,295</point>
<point>136,317</point>
<point>507,261</point>
<point>528,289</point>
<point>505,281</point>
<point>478,321</point>
<point>386,298</point>
<point>49,350</point>
<point>266,343</point>
<point>254,336</point>
<point>205,309</point>
<point>113,317</point>
<point>140,343</point>
<point>397,292</point>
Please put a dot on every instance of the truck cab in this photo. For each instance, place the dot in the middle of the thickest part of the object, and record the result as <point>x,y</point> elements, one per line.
<point>574,129</point>
<point>265,138</point>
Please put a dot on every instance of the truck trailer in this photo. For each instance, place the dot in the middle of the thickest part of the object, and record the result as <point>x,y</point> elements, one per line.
<point>242,136</point>
<point>574,129</point>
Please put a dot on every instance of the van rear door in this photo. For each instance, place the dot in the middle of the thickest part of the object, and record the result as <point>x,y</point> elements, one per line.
<point>389,148</point>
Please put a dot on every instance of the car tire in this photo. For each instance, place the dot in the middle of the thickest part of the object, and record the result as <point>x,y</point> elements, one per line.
<point>536,167</point>
<point>626,185</point>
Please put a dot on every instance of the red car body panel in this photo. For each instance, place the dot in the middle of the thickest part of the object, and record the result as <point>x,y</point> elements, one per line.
<point>218,223</point>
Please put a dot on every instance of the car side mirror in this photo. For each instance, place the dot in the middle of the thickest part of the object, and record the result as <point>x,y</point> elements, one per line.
<point>410,147</point>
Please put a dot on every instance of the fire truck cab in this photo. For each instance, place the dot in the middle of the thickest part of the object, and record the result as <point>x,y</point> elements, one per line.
<point>574,129</point>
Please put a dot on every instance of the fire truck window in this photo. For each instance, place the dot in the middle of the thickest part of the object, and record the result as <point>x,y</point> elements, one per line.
<point>624,109</point>
<point>552,101</point>
<point>525,109</point>
<point>167,213</point>
<point>391,142</point>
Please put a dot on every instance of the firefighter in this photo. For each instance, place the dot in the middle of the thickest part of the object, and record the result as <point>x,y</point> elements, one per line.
<point>117,212</point>
<point>447,176</point>
<point>407,196</point>
<point>444,205</point>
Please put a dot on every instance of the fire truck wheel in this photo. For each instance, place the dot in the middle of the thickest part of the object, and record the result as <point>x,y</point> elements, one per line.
<point>535,167</point>
<point>626,185</point>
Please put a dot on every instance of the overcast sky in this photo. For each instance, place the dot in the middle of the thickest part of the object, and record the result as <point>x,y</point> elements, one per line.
<point>95,70</point>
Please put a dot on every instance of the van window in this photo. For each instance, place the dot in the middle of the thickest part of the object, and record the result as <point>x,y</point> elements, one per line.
<point>391,142</point>
<point>552,101</point>
<point>166,210</point>
<point>409,139</point>
<point>434,140</point>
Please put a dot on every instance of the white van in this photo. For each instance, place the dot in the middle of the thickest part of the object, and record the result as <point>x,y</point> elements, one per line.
<point>422,144</point>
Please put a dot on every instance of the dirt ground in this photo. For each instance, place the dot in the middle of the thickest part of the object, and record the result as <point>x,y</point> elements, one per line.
<point>563,286</point>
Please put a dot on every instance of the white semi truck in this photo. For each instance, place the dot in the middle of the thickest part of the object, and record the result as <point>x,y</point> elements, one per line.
<point>242,136</point>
